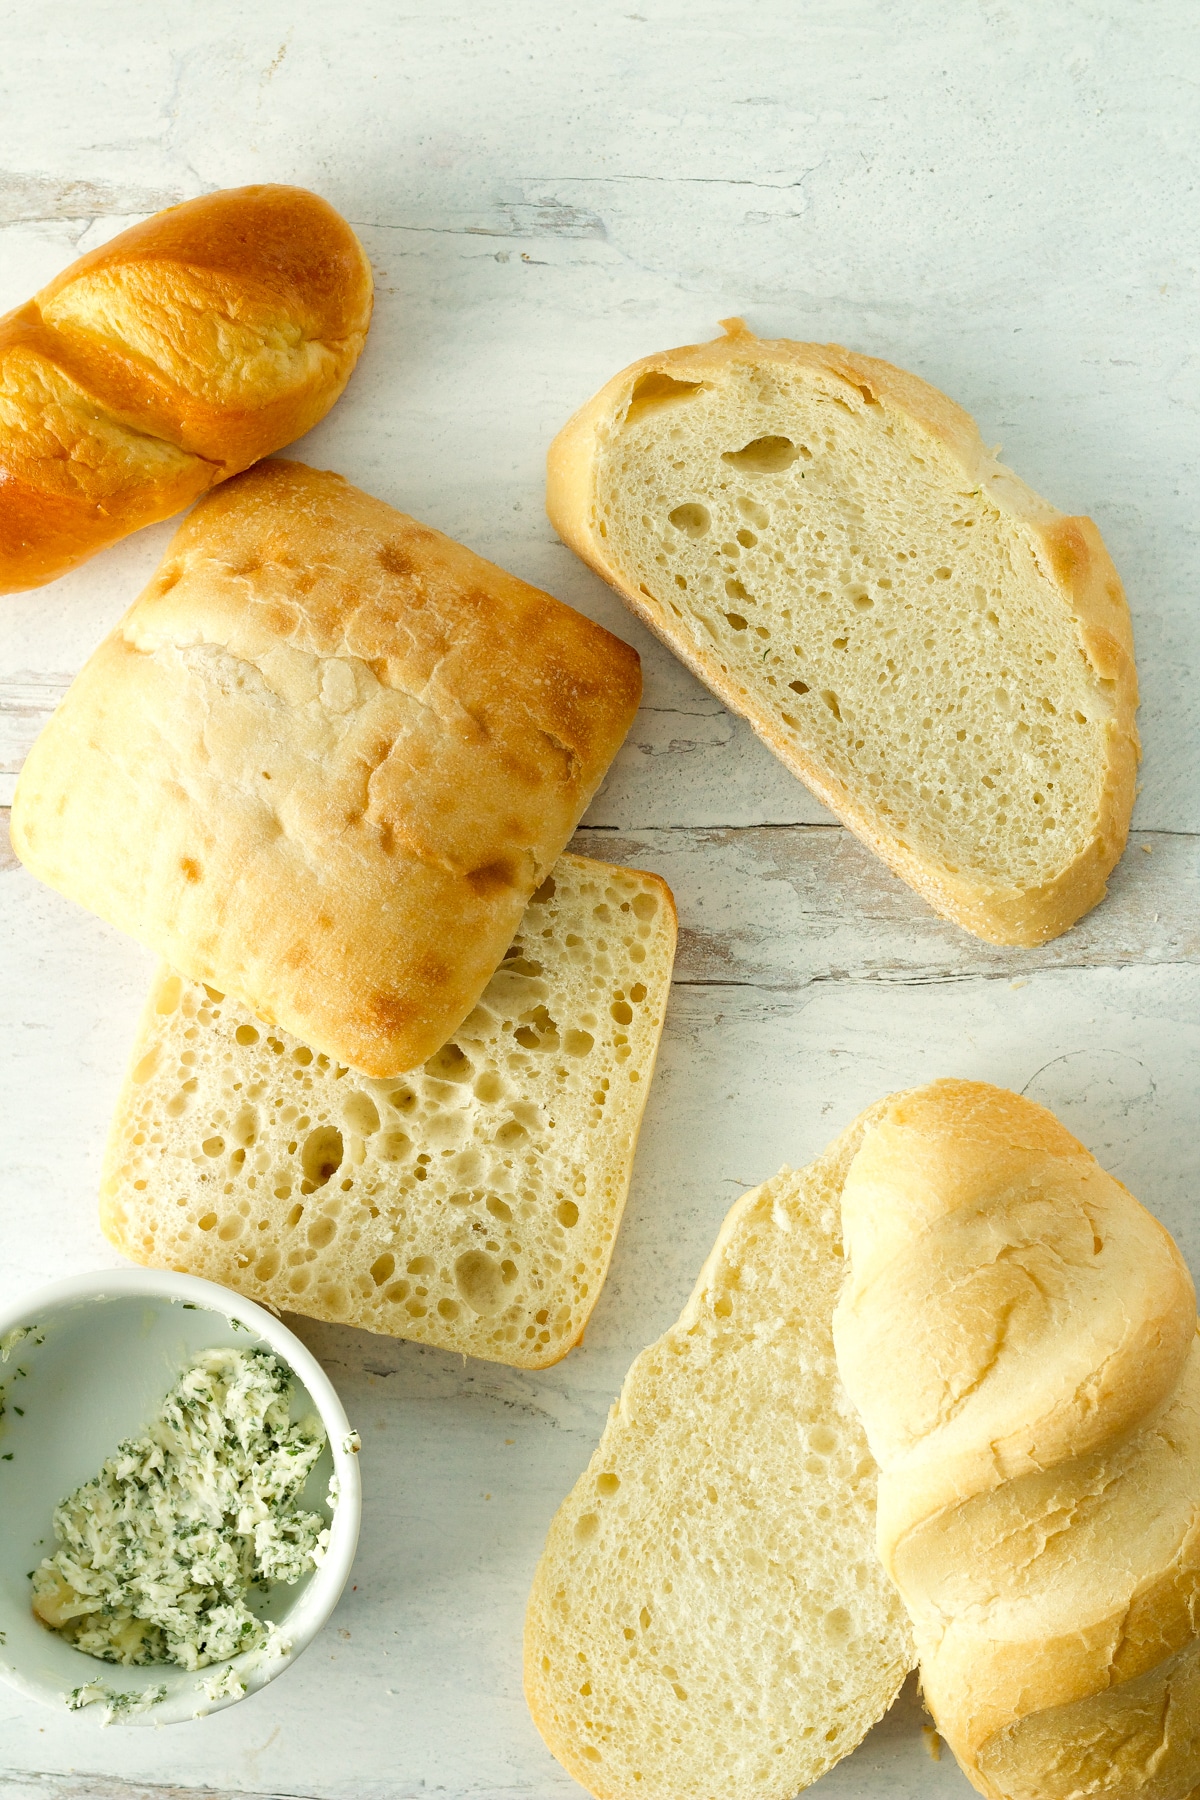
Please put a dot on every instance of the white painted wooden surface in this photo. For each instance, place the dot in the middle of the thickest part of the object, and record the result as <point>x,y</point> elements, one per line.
<point>997,193</point>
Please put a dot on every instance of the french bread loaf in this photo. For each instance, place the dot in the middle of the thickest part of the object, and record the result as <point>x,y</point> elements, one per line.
<point>709,1620</point>
<point>173,356</point>
<point>1019,1337</point>
<point>944,658</point>
<point>324,761</point>
<point>475,1204</point>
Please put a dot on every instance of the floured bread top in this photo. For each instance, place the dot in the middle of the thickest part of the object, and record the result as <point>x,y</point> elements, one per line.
<point>1019,1337</point>
<point>324,761</point>
<point>939,653</point>
<point>472,1204</point>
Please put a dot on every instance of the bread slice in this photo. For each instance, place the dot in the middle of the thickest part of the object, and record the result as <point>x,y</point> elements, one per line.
<point>709,1619</point>
<point>472,1204</point>
<point>943,657</point>
<point>324,761</point>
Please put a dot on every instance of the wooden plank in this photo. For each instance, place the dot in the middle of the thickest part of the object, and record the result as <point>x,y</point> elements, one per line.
<point>781,907</point>
<point>686,760</point>
<point>16,1786</point>
<point>27,199</point>
<point>543,201</point>
<point>896,1754</point>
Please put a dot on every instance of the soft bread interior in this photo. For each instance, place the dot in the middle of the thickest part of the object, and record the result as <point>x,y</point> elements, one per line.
<point>941,655</point>
<point>472,1204</point>
<point>709,1619</point>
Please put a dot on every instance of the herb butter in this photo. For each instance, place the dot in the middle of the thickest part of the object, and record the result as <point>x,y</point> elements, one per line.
<point>19,1333</point>
<point>158,1552</point>
<point>116,1706</point>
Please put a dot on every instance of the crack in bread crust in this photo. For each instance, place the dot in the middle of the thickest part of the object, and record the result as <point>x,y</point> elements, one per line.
<point>321,708</point>
<point>1039,1489</point>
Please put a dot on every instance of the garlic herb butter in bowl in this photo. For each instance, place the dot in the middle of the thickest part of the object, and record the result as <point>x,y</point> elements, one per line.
<point>179,1496</point>
<point>157,1553</point>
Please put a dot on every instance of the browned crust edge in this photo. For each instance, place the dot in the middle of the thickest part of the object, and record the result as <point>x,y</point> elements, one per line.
<point>111,1228</point>
<point>1070,551</point>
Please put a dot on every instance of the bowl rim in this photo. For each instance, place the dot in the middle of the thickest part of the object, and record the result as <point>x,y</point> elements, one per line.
<point>328,1580</point>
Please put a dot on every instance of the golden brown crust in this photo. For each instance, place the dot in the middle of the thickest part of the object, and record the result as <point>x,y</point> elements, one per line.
<point>1019,1336</point>
<point>1072,554</point>
<point>174,356</point>
<point>324,761</point>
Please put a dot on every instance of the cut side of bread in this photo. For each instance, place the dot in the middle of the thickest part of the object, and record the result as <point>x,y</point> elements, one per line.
<point>942,656</point>
<point>709,1619</point>
<point>472,1204</point>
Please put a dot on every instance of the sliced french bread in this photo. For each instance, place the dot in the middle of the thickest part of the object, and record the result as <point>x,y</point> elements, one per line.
<point>472,1204</point>
<point>709,1619</point>
<point>942,656</point>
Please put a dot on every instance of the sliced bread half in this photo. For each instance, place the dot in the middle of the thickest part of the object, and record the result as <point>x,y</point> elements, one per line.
<point>942,656</point>
<point>471,1204</point>
<point>709,1619</point>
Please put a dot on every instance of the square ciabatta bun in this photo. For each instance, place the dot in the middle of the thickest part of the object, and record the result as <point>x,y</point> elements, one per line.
<point>709,1619</point>
<point>944,658</point>
<point>324,761</point>
<point>473,1204</point>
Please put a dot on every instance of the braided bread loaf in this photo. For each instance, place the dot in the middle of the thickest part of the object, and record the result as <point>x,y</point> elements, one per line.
<point>170,358</point>
<point>1019,1337</point>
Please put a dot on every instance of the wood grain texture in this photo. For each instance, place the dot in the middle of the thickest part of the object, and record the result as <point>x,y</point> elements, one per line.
<point>998,197</point>
<point>90,1787</point>
<point>782,906</point>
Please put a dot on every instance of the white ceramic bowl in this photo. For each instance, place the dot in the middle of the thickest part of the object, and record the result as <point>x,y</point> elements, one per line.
<point>111,1345</point>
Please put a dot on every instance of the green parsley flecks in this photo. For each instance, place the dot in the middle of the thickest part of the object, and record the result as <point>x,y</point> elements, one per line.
<point>158,1552</point>
<point>223,1684</point>
<point>8,1344</point>
<point>116,1705</point>
<point>18,1335</point>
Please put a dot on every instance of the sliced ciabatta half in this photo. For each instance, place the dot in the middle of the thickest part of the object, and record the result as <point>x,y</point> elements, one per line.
<point>709,1619</point>
<point>473,1203</point>
<point>944,658</point>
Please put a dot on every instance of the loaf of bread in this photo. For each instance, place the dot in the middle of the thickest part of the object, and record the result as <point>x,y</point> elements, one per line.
<point>945,659</point>
<point>475,1204</point>
<point>1019,1337</point>
<point>324,762</point>
<point>168,359</point>
<point>709,1620</point>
